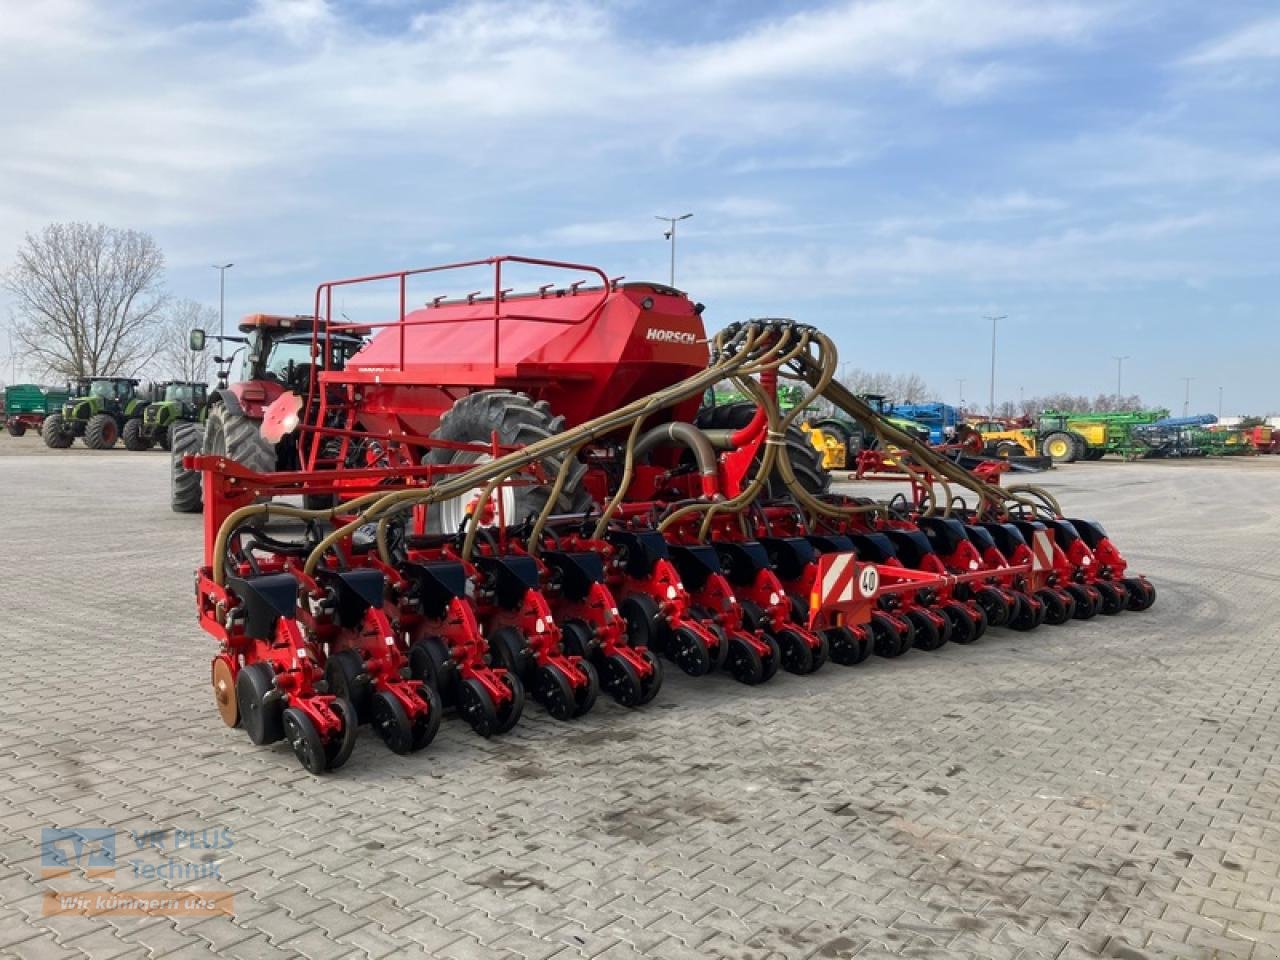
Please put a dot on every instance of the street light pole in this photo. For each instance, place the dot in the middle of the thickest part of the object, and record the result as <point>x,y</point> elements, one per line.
<point>992,398</point>
<point>222,269</point>
<point>1219,403</point>
<point>1119,366</point>
<point>1186,400</point>
<point>670,234</point>
<point>960,380</point>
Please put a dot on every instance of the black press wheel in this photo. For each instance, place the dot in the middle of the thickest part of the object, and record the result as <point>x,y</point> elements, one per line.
<point>888,639</point>
<point>259,707</point>
<point>847,648</point>
<point>771,663</point>
<point>621,680</point>
<point>586,694</point>
<point>687,649</point>
<point>1058,608</point>
<point>996,604</point>
<point>509,713</point>
<point>304,740</point>
<point>744,663</point>
<point>477,707</point>
<point>553,690</point>
<point>1141,593</point>
<point>928,635</point>
<point>1028,613</point>
<point>650,685</point>
<point>338,750</point>
<point>509,649</point>
<point>1088,602</point>
<point>1114,597</point>
<point>964,624</point>
<point>430,663</point>
<point>389,718</point>
<point>645,626</point>
<point>346,677</point>
<point>577,638</point>
<point>426,726</point>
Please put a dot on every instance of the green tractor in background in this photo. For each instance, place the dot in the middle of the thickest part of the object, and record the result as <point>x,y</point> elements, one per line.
<point>99,410</point>
<point>179,401</point>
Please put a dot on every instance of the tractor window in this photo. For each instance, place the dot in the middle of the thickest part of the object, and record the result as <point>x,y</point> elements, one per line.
<point>182,392</point>
<point>102,388</point>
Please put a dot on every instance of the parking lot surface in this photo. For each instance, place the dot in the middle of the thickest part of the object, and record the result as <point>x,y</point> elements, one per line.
<point>1108,788</point>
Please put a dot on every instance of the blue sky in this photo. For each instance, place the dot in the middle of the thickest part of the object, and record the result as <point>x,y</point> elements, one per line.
<point>1106,174</point>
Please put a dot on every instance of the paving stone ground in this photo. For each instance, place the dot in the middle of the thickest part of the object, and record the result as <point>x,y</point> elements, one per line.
<point>1103,789</point>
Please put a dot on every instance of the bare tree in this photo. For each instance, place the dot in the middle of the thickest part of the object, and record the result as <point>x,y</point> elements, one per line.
<point>176,357</point>
<point>88,299</point>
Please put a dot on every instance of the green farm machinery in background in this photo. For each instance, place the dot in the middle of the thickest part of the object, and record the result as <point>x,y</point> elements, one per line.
<point>98,411</point>
<point>178,401</point>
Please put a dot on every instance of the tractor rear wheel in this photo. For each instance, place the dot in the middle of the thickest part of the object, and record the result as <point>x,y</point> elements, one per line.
<point>1060,447</point>
<point>101,432</point>
<point>236,437</point>
<point>517,421</point>
<point>56,435</point>
<point>134,438</point>
<point>806,461</point>
<point>185,495</point>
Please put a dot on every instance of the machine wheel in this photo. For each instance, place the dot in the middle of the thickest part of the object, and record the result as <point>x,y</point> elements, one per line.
<point>1025,615</point>
<point>163,437</point>
<point>430,663</point>
<point>134,438</point>
<point>650,685</point>
<point>577,638</point>
<point>965,627</point>
<point>509,649</point>
<point>1060,447</point>
<point>806,461</point>
<point>508,715</point>
<point>1057,608</point>
<point>305,740</point>
<point>230,435</point>
<point>928,635</point>
<point>388,716</point>
<point>16,428</point>
<point>996,604</point>
<point>1007,448</point>
<point>553,690</point>
<point>518,421</point>
<point>887,640</point>
<point>185,494</point>
<point>847,648</point>
<point>797,655</point>
<point>584,697</point>
<point>1087,604</point>
<point>426,727</point>
<point>101,432</point>
<point>346,677</point>
<point>338,751</point>
<point>1114,597</point>
<point>688,651</point>
<point>645,626</point>
<point>477,707</point>
<point>259,715</point>
<point>744,663</point>
<point>621,680</point>
<point>1141,594</point>
<point>773,660</point>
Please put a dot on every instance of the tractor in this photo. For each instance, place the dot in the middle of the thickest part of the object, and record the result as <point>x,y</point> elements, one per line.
<point>181,401</point>
<point>99,410</point>
<point>524,494</point>
<point>275,357</point>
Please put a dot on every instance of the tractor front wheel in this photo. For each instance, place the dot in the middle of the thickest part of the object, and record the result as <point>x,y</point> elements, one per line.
<point>134,438</point>
<point>101,432</point>
<point>55,433</point>
<point>185,495</point>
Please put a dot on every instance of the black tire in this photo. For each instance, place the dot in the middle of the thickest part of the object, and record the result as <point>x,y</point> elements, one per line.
<point>518,421</point>
<point>56,435</point>
<point>163,437</point>
<point>16,428</point>
<point>806,461</point>
<point>101,432</point>
<point>134,438</point>
<point>185,494</point>
<point>1065,445</point>
<point>1007,448</point>
<point>230,435</point>
<point>260,713</point>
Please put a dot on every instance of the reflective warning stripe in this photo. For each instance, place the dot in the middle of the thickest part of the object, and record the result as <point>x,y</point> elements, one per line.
<point>1041,551</point>
<point>837,581</point>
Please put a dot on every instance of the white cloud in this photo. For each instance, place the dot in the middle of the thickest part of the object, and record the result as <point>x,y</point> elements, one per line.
<point>1257,41</point>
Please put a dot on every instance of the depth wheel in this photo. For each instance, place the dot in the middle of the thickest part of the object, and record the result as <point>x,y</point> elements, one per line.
<point>928,635</point>
<point>430,663</point>
<point>797,655</point>
<point>388,716</point>
<point>338,751</point>
<point>1057,608</point>
<point>1114,597</point>
<point>773,660</point>
<point>305,740</point>
<point>510,712</point>
<point>688,651</point>
<point>645,625</point>
<point>577,638</point>
<point>1141,594</point>
<point>964,625</point>
<point>509,648</point>
<point>847,648</point>
<point>744,663</point>
<point>477,707</point>
<point>553,690</point>
<point>997,605</point>
<point>259,709</point>
<point>427,725</point>
<point>585,696</point>
<point>1088,603</point>
<point>621,680</point>
<point>1027,614</point>
<point>887,639</point>
<point>650,685</point>
<point>346,677</point>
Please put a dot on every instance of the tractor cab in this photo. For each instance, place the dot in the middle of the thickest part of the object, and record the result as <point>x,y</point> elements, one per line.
<point>191,396</point>
<point>108,389</point>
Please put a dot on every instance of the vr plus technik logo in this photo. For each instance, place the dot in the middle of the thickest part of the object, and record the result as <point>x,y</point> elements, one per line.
<point>90,851</point>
